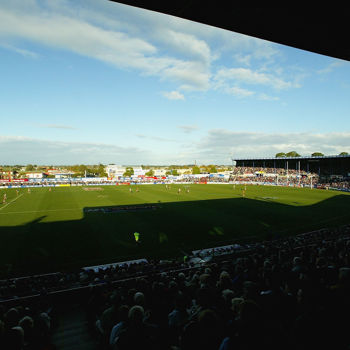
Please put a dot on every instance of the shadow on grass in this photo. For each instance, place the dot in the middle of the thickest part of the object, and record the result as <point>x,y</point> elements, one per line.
<point>105,234</point>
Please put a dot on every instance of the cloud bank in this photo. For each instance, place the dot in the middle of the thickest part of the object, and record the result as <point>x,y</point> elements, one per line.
<point>176,51</point>
<point>216,147</point>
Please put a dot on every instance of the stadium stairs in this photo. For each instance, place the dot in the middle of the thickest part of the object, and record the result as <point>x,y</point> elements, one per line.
<point>72,332</point>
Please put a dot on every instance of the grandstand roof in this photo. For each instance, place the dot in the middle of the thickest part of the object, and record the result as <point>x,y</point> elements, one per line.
<point>295,158</point>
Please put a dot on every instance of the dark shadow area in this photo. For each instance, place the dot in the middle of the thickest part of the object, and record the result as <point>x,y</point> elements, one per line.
<point>106,234</point>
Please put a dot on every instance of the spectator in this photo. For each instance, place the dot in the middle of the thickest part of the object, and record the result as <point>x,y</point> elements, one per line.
<point>121,324</point>
<point>137,334</point>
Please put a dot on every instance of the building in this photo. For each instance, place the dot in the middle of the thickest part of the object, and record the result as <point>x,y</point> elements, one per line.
<point>35,175</point>
<point>64,175</point>
<point>138,171</point>
<point>114,171</point>
<point>159,172</point>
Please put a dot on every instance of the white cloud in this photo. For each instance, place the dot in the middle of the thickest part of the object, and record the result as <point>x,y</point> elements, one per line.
<point>238,92</point>
<point>24,150</point>
<point>215,147</point>
<point>173,95</point>
<point>265,97</point>
<point>110,46</point>
<point>241,59</point>
<point>21,51</point>
<point>219,143</point>
<point>187,129</point>
<point>154,138</point>
<point>186,44</point>
<point>251,77</point>
<point>56,126</point>
<point>170,48</point>
<point>331,67</point>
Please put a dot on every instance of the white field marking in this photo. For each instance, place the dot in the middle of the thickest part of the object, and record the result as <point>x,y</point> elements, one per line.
<point>11,201</point>
<point>39,211</point>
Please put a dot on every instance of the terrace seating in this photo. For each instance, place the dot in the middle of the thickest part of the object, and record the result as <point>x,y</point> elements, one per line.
<point>289,293</point>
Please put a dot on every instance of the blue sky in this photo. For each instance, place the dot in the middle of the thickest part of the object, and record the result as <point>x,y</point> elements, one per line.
<point>95,81</point>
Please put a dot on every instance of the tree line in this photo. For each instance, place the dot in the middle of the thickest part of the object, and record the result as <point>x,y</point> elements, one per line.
<point>296,154</point>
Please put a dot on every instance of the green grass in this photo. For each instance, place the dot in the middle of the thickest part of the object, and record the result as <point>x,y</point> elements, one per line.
<point>45,231</point>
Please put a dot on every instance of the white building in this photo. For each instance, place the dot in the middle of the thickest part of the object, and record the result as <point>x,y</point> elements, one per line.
<point>113,170</point>
<point>35,175</point>
<point>64,175</point>
<point>159,172</point>
<point>138,171</point>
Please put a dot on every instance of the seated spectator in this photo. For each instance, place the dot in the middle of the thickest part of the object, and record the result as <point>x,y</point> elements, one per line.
<point>27,324</point>
<point>121,324</point>
<point>137,334</point>
<point>11,318</point>
<point>109,317</point>
<point>204,333</point>
<point>179,316</point>
<point>14,339</point>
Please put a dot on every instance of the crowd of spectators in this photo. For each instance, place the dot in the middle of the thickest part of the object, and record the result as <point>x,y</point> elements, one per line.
<point>291,293</point>
<point>26,328</point>
<point>43,284</point>
<point>279,171</point>
<point>336,184</point>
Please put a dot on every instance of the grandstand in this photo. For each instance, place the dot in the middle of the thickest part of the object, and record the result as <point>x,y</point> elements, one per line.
<point>324,166</point>
<point>290,293</point>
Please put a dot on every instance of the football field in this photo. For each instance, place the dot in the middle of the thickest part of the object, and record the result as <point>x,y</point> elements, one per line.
<point>66,227</point>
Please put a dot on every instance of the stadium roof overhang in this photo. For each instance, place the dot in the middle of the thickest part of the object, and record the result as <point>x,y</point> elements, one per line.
<point>309,158</point>
<point>322,30</point>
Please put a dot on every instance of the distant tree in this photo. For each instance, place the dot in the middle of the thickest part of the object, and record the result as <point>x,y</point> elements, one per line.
<point>150,172</point>
<point>101,170</point>
<point>344,154</point>
<point>196,170</point>
<point>82,168</point>
<point>128,171</point>
<point>280,155</point>
<point>317,154</point>
<point>213,169</point>
<point>30,167</point>
<point>172,171</point>
<point>292,154</point>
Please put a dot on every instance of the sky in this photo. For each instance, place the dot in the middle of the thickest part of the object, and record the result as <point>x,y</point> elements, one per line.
<point>92,81</point>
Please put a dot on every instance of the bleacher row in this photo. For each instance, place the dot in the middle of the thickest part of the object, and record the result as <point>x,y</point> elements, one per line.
<point>291,293</point>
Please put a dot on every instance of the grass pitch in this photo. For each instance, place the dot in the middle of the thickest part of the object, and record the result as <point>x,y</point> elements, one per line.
<point>80,226</point>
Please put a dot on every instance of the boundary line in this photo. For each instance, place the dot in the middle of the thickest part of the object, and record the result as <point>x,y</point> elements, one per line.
<point>11,201</point>
<point>39,211</point>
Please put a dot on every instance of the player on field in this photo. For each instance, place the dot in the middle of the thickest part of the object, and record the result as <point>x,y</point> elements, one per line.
<point>4,198</point>
<point>179,191</point>
<point>28,190</point>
